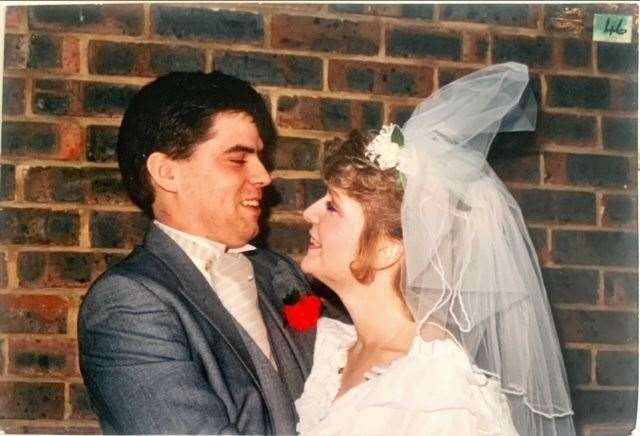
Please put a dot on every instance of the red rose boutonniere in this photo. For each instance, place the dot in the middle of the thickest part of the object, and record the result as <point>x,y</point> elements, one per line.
<point>302,311</point>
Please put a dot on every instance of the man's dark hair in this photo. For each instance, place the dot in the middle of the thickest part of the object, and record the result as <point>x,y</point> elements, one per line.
<point>172,114</point>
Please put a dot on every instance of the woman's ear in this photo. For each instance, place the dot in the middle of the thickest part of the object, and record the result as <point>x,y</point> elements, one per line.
<point>163,172</point>
<point>388,254</point>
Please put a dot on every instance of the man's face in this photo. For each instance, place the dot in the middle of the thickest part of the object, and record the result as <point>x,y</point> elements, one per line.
<point>220,185</point>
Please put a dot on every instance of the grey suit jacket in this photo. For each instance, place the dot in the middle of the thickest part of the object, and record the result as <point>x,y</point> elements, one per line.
<point>160,354</point>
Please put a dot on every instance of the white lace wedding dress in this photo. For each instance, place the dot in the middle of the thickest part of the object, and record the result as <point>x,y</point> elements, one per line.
<point>433,390</point>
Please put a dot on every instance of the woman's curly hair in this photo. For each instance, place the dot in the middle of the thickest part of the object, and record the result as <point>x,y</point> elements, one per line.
<point>378,191</point>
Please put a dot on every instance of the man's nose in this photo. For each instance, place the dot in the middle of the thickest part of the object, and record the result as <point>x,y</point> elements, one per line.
<point>260,175</point>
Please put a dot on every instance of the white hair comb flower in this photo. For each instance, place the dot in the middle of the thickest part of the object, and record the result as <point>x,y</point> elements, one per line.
<point>385,150</point>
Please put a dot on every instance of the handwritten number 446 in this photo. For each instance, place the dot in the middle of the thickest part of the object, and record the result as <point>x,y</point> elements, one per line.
<point>612,27</point>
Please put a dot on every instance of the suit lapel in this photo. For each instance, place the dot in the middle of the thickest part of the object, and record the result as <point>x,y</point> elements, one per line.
<point>197,290</point>
<point>271,299</point>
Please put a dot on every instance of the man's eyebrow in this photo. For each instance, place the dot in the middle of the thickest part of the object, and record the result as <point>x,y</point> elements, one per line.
<point>238,148</point>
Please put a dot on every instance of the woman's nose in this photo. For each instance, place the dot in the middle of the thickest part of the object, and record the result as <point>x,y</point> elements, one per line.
<point>311,213</point>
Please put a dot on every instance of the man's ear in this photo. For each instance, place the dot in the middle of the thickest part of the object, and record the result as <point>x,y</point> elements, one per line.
<point>388,254</point>
<point>163,171</point>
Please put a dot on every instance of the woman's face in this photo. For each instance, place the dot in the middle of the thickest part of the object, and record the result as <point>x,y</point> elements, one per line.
<point>337,221</point>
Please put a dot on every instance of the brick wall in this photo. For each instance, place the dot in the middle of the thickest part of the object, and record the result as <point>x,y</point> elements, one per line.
<point>325,69</point>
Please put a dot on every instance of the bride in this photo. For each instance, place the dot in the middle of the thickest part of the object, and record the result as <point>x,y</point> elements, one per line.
<point>428,251</point>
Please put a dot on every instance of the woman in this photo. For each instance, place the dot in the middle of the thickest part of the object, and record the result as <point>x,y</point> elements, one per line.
<point>428,251</point>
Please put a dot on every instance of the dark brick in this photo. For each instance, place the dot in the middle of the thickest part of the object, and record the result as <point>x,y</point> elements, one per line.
<point>314,189</point>
<point>89,186</point>
<point>116,19</point>
<point>168,59</point>
<point>620,133</point>
<point>30,400</point>
<point>16,51</point>
<point>539,241</point>
<point>594,326</point>
<point>400,114</point>
<point>563,129</point>
<point>102,143</point>
<point>4,280</point>
<point>535,52</point>
<point>348,9</point>
<point>52,103</point>
<point>13,99</point>
<point>288,237</point>
<point>604,406</point>
<point>7,182</point>
<point>325,35</point>
<point>143,59</point>
<point>293,154</point>
<point>380,78</point>
<point>207,24</point>
<point>328,114</point>
<point>32,314</point>
<point>585,92</point>
<point>417,11</point>
<point>557,206</point>
<point>272,69</point>
<point>620,210</point>
<point>592,93</point>
<point>117,229</point>
<point>576,53</point>
<point>107,99</point>
<point>287,194</point>
<point>617,58</point>
<point>566,285</point>
<point>578,366</point>
<point>587,170</point>
<point>517,168</point>
<point>43,357</point>
<point>61,269</point>
<point>520,15</point>
<point>45,51</point>
<point>420,44</point>
<point>595,248</point>
<point>617,368</point>
<point>39,226</point>
<point>621,289</point>
<point>80,403</point>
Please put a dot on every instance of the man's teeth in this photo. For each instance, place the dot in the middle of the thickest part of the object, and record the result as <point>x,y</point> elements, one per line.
<point>254,203</point>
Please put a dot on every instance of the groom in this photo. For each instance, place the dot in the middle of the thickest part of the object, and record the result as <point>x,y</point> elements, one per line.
<point>185,335</point>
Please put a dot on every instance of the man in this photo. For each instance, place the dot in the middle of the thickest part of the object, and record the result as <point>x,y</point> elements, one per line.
<point>185,335</point>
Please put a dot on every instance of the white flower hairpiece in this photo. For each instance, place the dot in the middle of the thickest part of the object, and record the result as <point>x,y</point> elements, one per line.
<point>385,150</point>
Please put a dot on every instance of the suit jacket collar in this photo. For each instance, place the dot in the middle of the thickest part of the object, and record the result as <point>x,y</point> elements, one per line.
<point>195,289</point>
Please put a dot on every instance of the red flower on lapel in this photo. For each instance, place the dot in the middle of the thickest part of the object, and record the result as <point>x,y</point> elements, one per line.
<point>301,312</point>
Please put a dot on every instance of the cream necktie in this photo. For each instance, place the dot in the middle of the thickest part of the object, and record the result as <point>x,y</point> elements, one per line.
<point>233,279</point>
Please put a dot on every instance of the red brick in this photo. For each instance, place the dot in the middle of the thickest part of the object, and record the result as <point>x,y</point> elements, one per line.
<point>39,226</point>
<point>325,35</point>
<point>16,51</point>
<point>15,17</point>
<point>61,430</point>
<point>46,357</point>
<point>54,53</point>
<point>399,114</point>
<point>328,114</point>
<point>7,182</point>
<point>61,269</point>
<point>33,314</point>
<point>13,99</point>
<point>88,186</point>
<point>475,47</point>
<point>3,270</point>
<point>80,404</point>
<point>110,19</point>
<point>380,78</point>
<point>147,60</point>
<point>63,141</point>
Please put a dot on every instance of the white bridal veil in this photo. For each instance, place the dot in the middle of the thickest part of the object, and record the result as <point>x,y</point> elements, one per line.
<point>471,268</point>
